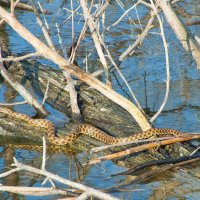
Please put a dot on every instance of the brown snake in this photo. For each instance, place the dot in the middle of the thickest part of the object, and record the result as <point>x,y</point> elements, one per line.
<point>87,130</point>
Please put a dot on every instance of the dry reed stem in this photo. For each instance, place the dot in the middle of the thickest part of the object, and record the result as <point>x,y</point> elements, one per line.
<point>143,147</point>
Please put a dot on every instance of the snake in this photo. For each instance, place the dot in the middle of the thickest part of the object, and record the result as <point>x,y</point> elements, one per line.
<point>86,129</point>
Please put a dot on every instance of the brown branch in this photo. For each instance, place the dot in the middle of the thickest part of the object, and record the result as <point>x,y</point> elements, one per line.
<point>143,147</point>
<point>105,147</point>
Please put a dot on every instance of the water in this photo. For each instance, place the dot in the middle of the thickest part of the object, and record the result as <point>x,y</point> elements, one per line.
<point>145,72</point>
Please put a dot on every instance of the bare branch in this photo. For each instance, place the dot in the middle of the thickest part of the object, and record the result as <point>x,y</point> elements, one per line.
<point>13,104</point>
<point>167,63</point>
<point>12,8</point>
<point>45,94</point>
<point>70,84</point>
<point>33,191</point>
<point>93,192</point>
<point>125,14</point>
<point>44,153</point>
<point>11,58</point>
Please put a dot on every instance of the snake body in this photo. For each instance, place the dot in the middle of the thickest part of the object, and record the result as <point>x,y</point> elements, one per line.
<point>87,130</point>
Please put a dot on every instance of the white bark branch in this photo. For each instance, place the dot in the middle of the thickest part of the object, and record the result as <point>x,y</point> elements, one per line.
<point>93,192</point>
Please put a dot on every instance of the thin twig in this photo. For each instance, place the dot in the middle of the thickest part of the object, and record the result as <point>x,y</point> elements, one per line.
<point>72,18</point>
<point>93,30</point>
<point>44,153</point>
<point>70,84</point>
<point>12,58</point>
<point>43,13</point>
<point>12,8</point>
<point>13,104</point>
<point>81,35</point>
<point>167,63</point>
<point>9,172</point>
<point>125,14</point>
<point>195,151</point>
<point>16,2</point>
<point>45,94</point>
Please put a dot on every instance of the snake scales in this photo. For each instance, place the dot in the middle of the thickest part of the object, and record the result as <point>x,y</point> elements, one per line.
<point>87,130</point>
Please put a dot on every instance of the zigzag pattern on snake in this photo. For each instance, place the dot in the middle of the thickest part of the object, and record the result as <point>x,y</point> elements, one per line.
<point>87,130</point>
